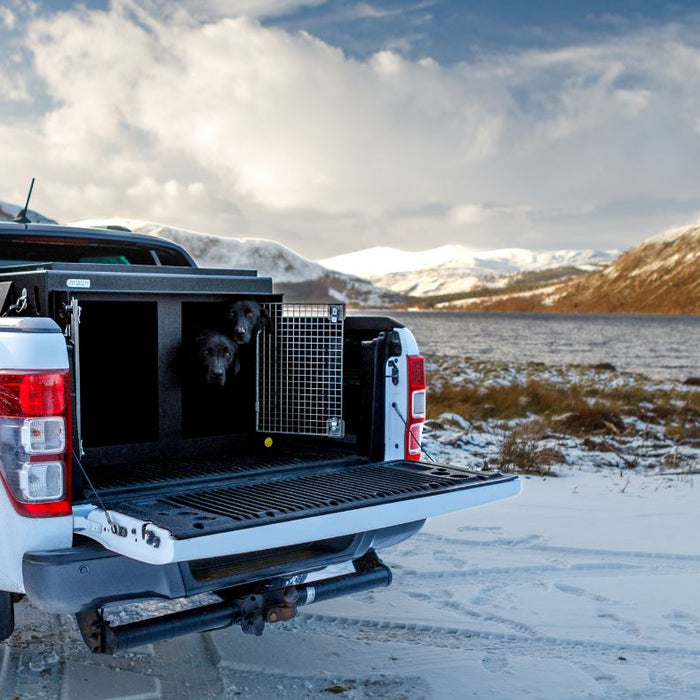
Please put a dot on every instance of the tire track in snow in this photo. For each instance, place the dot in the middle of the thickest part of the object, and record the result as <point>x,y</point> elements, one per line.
<point>448,603</point>
<point>530,543</point>
<point>454,637</point>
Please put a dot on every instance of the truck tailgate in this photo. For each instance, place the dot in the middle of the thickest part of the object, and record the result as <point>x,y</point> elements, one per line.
<point>253,512</point>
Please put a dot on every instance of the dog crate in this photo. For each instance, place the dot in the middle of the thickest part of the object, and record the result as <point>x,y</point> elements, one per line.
<point>135,400</point>
<point>300,371</point>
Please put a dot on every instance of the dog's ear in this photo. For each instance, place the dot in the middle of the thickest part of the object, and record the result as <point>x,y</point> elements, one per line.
<point>265,319</point>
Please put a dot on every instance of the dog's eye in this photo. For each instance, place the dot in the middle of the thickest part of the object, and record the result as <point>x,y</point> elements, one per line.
<point>227,354</point>
<point>249,314</point>
<point>207,352</point>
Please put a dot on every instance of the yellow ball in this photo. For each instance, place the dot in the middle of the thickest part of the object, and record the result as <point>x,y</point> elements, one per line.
<point>268,442</point>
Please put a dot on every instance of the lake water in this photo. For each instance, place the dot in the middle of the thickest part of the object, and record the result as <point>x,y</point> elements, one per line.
<point>659,346</point>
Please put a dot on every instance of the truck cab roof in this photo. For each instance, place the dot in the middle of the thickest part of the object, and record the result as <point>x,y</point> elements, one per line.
<point>26,243</point>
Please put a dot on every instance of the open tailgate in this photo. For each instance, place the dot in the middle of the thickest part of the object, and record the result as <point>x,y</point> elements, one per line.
<point>232,515</point>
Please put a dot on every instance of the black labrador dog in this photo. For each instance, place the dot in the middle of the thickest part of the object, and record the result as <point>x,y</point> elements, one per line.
<point>214,355</point>
<point>244,319</point>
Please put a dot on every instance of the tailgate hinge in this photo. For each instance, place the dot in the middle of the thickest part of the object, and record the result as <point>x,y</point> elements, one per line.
<point>123,534</point>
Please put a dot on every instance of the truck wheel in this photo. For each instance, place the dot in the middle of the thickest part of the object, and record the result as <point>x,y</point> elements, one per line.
<point>7,615</point>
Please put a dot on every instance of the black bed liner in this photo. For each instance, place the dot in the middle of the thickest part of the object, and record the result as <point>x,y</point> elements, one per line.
<point>240,459</point>
<point>255,498</point>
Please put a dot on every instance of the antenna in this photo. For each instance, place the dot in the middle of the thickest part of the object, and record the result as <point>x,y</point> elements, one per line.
<point>21,217</point>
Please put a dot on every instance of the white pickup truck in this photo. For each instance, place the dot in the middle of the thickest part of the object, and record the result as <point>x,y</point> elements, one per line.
<point>123,480</point>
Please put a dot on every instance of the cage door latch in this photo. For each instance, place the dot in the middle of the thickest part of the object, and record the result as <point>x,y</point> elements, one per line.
<point>335,427</point>
<point>336,313</point>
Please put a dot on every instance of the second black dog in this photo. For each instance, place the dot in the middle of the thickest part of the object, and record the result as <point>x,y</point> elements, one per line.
<point>245,319</point>
<point>215,357</point>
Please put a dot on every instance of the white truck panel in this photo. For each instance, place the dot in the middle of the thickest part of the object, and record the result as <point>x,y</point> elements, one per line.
<point>28,344</point>
<point>19,534</point>
<point>23,346</point>
<point>394,426</point>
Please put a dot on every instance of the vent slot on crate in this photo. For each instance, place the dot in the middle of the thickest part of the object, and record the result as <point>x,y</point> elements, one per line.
<point>300,371</point>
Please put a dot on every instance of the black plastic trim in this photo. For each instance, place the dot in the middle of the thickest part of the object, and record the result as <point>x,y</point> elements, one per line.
<point>28,231</point>
<point>86,577</point>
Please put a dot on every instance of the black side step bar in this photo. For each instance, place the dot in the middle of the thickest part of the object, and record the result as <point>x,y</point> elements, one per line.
<point>251,611</point>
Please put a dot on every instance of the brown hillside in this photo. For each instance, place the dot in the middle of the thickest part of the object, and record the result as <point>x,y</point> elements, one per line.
<point>659,276</point>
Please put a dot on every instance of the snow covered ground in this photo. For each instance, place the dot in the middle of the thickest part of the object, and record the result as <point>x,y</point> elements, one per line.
<point>585,585</point>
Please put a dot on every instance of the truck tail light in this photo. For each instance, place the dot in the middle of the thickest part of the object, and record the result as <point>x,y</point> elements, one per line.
<point>35,441</point>
<point>416,406</point>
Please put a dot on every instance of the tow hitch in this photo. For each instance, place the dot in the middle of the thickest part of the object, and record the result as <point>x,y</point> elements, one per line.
<point>266,604</point>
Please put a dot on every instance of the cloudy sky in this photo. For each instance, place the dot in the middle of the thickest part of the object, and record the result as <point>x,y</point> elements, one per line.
<point>336,125</point>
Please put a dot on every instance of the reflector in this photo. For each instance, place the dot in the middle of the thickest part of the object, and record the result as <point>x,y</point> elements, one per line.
<point>41,481</point>
<point>44,435</point>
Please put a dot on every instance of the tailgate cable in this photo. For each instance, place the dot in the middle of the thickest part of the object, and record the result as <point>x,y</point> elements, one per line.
<point>112,525</point>
<point>394,405</point>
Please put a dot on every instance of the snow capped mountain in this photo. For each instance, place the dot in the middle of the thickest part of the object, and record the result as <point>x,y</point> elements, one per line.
<point>661,275</point>
<point>268,257</point>
<point>295,276</point>
<point>9,211</point>
<point>452,269</point>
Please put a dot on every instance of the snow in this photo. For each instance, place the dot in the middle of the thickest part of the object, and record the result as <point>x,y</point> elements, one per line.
<point>384,260</point>
<point>574,589</point>
<point>583,586</point>
<point>9,211</point>
<point>673,234</point>
<point>452,269</point>
<point>269,257</point>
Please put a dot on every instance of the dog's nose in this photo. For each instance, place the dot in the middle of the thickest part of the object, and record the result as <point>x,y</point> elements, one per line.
<point>239,333</point>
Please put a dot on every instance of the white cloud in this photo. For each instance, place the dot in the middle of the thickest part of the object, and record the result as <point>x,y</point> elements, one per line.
<point>211,10</point>
<point>7,18</point>
<point>234,127</point>
<point>466,214</point>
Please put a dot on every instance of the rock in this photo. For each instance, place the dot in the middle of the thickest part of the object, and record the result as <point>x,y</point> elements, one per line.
<point>605,367</point>
<point>692,381</point>
<point>455,419</point>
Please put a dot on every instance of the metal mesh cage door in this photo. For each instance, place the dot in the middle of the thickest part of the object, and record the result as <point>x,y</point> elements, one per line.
<point>300,370</point>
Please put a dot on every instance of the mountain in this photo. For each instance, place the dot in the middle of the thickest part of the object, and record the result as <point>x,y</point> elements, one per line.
<point>295,276</point>
<point>9,211</point>
<point>453,269</point>
<point>661,276</point>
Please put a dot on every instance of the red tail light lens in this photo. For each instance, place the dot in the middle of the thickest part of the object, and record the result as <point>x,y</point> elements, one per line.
<point>416,406</point>
<point>32,394</point>
<point>416,372</point>
<point>35,441</point>
<point>42,394</point>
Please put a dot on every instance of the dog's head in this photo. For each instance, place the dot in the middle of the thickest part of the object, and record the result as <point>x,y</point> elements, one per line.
<point>215,355</point>
<point>245,319</point>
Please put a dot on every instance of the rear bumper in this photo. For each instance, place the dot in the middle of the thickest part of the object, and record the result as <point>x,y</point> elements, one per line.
<point>87,576</point>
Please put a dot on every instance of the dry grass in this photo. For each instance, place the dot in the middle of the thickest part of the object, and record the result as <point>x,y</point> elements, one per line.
<point>522,451</point>
<point>601,413</point>
<point>505,402</point>
<point>587,407</point>
<point>592,420</point>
